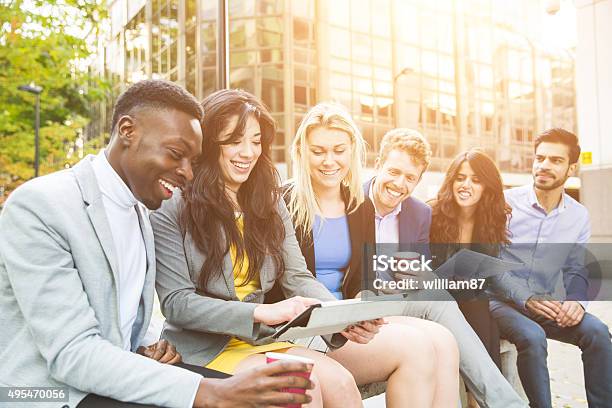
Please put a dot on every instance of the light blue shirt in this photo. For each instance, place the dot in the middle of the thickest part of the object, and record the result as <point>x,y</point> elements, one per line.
<point>332,245</point>
<point>552,247</point>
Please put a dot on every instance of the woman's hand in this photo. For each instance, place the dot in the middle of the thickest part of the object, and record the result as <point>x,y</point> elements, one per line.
<point>363,332</point>
<point>283,311</point>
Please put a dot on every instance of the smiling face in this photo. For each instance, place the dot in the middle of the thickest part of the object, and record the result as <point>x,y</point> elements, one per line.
<point>153,152</point>
<point>238,158</point>
<point>329,157</point>
<point>551,166</point>
<point>467,188</point>
<point>396,178</point>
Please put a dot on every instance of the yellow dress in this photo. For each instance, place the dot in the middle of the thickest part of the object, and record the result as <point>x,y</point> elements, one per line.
<point>237,350</point>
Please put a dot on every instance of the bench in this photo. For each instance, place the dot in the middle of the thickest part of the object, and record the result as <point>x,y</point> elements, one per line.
<point>508,359</point>
<point>509,355</point>
<point>372,389</point>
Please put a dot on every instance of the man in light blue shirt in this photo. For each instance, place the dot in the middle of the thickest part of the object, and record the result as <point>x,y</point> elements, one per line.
<point>549,231</point>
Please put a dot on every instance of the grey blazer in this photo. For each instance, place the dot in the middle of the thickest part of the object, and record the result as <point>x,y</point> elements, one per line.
<point>201,321</point>
<point>59,308</point>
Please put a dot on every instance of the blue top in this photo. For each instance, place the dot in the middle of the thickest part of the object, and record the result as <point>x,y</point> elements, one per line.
<point>332,247</point>
<point>552,247</point>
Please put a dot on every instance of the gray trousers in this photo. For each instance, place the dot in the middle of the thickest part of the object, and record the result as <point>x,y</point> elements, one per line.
<point>480,374</point>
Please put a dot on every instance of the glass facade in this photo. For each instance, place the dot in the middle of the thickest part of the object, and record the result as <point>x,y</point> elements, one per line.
<point>361,60</point>
<point>256,41</point>
<point>464,73</point>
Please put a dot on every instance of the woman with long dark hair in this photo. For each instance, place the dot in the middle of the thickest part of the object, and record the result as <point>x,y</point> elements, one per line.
<point>470,212</point>
<point>225,243</point>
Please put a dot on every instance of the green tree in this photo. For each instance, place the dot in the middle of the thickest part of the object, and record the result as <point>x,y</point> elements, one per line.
<point>49,43</point>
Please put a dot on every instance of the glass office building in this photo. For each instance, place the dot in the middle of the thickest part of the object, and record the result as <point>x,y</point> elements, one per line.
<point>463,72</point>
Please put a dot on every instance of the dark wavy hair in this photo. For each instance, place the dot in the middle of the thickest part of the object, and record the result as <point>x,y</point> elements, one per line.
<point>208,214</point>
<point>492,213</point>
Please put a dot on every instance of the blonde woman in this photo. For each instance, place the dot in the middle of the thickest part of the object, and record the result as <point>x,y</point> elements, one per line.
<point>334,220</point>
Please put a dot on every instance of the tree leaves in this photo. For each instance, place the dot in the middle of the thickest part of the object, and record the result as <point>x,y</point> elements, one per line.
<point>42,42</point>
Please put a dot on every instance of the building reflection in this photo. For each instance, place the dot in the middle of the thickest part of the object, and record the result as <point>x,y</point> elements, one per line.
<point>464,73</point>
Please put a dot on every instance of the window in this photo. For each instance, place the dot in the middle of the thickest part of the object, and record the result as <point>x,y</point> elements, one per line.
<point>299,94</point>
<point>272,94</point>
<point>301,31</point>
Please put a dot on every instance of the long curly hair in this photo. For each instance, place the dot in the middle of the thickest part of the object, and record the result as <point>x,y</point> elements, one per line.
<point>492,213</point>
<point>208,214</point>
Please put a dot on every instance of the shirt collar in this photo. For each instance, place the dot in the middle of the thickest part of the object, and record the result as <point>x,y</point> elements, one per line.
<point>561,205</point>
<point>533,200</point>
<point>111,185</point>
<point>393,213</point>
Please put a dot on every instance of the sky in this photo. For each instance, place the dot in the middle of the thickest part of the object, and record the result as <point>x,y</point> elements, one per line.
<point>559,30</point>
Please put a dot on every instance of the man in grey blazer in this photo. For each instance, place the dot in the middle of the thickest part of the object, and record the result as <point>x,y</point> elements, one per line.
<point>77,271</point>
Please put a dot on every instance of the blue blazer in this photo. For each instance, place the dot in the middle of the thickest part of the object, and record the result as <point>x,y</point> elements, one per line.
<point>414,220</point>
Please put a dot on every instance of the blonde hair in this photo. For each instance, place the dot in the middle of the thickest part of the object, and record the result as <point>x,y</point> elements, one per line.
<point>409,141</point>
<point>303,203</point>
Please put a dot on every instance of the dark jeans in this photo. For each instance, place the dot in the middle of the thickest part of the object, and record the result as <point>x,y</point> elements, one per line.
<point>96,401</point>
<point>528,333</point>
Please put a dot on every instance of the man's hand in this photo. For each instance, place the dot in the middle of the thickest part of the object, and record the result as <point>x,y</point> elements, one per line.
<point>544,307</point>
<point>283,311</point>
<point>162,351</point>
<point>571,314</point>
<point>364,332</point>
<point>257,387</point>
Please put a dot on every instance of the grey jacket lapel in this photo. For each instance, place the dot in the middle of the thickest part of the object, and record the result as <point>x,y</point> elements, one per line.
<point>92,197</point>
<point>222,287</point>
<point>228,276</point>
<point>147,235</point>
<point>267,275</point>
<point>95,210</point>
<point>228,270</point>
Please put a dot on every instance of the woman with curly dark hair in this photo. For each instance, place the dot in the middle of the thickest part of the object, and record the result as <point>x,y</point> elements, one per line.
<point>470,212</point>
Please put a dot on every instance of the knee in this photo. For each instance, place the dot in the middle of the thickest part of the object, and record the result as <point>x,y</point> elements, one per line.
<point>415,351</point>
<point>443,336</point>
<point>344,382</point>
<point>446,348</point>
<point>347,380</point>
<point>532,336</point>
<point>595,332</point>
<point>334,377</point>
<point>448,343</point>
